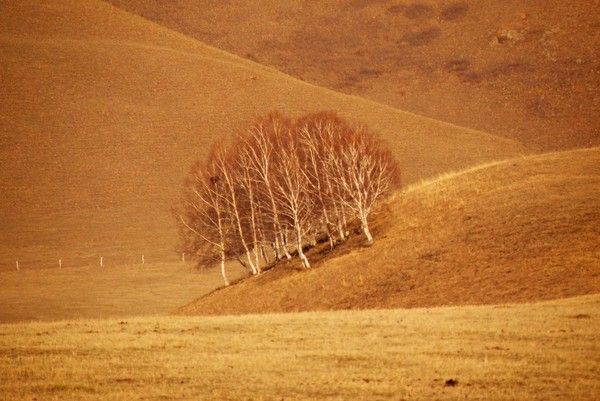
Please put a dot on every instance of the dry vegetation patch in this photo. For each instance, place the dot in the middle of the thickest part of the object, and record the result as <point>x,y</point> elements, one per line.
<point>533,352</point>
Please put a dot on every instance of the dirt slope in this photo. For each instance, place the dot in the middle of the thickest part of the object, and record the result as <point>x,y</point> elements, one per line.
<point>516,231</point>
<point>524,69</point>
<point>102,113</point>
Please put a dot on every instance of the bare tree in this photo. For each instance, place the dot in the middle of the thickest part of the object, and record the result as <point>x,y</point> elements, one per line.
<point>321,135</point>
<point>203,219</point>
<point>245,176</point>
<point>313,163</point>
<point>284,184</point>
<point>291,183</point>
<point>225,169</point>
<point>260,152</point>
<point>365,171</point>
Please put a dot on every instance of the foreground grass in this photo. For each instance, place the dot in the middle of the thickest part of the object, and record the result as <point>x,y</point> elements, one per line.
<point>534,352</point>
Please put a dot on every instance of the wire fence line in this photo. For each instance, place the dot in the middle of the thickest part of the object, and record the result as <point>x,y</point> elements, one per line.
<point>100,259</point>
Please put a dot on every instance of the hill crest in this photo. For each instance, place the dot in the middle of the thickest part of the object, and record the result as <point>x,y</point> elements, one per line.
<point>521,230</point>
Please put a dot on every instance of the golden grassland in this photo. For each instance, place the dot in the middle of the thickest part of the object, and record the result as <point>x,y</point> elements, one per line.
<point>520,230</point>
<point>545,351</point>
<point>103,112</point>
<point>94,292</point>
<point>469,62</point>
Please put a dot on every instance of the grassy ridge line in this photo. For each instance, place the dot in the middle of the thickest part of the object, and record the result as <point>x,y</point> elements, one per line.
<point>536,352</point>
<point>514,231</point>
<point>452,174</point>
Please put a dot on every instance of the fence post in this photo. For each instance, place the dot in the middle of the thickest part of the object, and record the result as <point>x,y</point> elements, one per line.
<point>17,263</point>
<point>60,263</point>
<point>143,261</point>
<point>101,262</point>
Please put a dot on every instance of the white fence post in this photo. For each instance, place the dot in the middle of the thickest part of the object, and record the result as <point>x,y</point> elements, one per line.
<point>101,262</point>
<point>17,263</point>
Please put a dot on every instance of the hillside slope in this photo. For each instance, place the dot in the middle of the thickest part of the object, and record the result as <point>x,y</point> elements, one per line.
<point>523,69</point>
<point>515,231</point>
<point>102,113</point>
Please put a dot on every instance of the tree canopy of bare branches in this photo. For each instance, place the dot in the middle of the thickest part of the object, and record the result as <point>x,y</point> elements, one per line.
<point>282,185</point>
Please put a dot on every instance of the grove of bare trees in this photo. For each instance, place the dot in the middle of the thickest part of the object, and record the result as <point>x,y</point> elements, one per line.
<point>281,186</point>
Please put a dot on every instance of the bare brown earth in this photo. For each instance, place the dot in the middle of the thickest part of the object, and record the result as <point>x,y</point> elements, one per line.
<point>102,112</point>
<point>515,231</point>
<point>523,69</point>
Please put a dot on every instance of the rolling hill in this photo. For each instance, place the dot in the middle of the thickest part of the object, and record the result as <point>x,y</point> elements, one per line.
<point>521,230</point>
<point>102,112</point>
<point>521,69</point>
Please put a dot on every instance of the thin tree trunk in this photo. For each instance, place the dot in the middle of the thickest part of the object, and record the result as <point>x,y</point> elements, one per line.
<point>301,254</point>
<point>365,227</point>
<point>345,225</point>
<point>252,267</point>
<point>265,256</point>
<point>287,254</point>
<point>331,240</point>
<point>223,268</point>
<point>276,247</point>
<point>250,189</point>
<point>341,230</point>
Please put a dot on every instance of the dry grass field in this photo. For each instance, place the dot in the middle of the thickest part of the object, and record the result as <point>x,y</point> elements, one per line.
<point>521,230</point>
<point>518,68</point>
<point>546,351</point>
<point>483,282</point>
<point>86,292</point>
<point>102,113</point>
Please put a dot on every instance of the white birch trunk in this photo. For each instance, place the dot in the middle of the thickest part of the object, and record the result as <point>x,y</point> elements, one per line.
<point>365,226</point>
<point>301,254</point>
<point>287,254</point>
<point>225,279</point>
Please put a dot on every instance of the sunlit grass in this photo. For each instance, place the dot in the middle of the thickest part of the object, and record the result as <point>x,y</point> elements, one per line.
<point>527,352</point>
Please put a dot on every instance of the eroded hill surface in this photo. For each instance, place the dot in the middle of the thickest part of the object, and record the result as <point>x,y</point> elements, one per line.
<point>522,69</point>
<point>516,231</point>
<point>102,112</point>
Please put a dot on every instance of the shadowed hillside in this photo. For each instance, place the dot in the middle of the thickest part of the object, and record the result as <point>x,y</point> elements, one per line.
<point>523,69</point>
<point>102,113</point>
<point>516,231</point>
